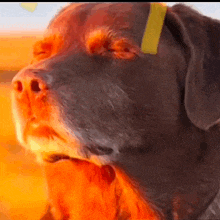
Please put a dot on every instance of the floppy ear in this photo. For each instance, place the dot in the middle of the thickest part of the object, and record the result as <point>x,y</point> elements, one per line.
<point>200,38</point>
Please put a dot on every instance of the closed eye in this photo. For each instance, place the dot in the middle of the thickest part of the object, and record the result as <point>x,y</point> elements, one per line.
<point>39,53</point>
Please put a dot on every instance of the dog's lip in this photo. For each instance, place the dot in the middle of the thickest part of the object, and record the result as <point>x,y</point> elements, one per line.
<point>53,158</point>
<point>99,150</point>
<point>38,128</point>
<point>43,129</point>
<point>95,150</point>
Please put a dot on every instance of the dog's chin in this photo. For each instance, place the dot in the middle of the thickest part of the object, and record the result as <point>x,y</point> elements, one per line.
<point>50,146</point>
<point>45,148</point>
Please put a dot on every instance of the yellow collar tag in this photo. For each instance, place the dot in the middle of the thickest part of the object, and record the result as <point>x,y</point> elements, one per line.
<point>153,28</point>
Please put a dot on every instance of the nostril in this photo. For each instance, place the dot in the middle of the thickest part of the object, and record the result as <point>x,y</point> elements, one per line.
<point>35,86</point>
<point>18,86</point>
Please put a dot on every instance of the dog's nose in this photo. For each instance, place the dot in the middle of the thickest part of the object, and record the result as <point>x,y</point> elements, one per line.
<point>30,96</point>
<point>28,81</point>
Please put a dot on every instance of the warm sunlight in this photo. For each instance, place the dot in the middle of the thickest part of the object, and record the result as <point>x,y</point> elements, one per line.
<point>19,200</point>
<point>122,112</point>
<point>16,50</point>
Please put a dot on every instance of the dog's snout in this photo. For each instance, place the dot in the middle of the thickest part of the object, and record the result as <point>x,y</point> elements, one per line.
<point>28,81</point>
<point>30,96</point>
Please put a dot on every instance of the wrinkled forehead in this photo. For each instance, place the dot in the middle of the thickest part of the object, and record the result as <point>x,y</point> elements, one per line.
<point>92,28</point>
<point>83,17</point>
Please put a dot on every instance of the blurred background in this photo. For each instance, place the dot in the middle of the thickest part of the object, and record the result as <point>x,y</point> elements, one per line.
<point>22,186</point>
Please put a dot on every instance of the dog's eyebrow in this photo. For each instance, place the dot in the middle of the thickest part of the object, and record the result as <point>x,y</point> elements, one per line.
<point>41,46</point>
<point>50,42</point>
<point>153,28</point>
<point>100,41</point>
<point>48,46</point>
<point>106,42</point>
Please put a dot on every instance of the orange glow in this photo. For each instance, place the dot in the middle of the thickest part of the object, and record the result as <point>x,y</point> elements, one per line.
<point>124,49</point>
<point>133,202</point>
<point>47,47</point>
<point>22,187</point>
<point>82,190</point>
<point>104,42</point>
<point>7,130</point>
<point>17,50</point>
<point>99,41</point>
<point>18,171</point>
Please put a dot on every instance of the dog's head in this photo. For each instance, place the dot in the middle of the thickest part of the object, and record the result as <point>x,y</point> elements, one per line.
<point>91,93</point>
<point>92,89</point>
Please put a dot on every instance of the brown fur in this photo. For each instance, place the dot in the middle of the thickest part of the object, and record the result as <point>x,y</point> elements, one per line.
<point>124,135</point>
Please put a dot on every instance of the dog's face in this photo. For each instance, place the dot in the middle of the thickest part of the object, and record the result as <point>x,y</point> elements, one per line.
<point>91,93</point>
<point>98,87</point>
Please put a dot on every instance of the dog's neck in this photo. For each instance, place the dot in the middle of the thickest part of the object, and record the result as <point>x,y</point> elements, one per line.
<point>177,197</point>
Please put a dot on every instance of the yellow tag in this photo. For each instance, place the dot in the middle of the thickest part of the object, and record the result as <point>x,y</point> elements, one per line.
<point>153,28</point>
<point>29,6</point>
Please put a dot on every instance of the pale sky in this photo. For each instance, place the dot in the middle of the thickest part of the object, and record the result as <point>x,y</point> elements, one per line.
<point>14,18</point>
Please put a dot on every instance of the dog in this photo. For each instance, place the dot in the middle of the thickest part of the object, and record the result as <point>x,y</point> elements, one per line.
<point>123,134</point>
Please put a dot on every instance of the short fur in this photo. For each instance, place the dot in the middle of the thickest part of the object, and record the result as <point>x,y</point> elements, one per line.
<point>153,120</point>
